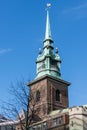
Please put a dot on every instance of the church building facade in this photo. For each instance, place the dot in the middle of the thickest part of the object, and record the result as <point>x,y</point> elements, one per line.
<point>50,92</point>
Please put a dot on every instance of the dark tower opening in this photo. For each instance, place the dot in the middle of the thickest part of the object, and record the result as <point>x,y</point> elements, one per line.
<point>57,95</point>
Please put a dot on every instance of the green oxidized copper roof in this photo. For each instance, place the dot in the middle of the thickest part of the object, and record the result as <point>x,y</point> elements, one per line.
<point>53,56</point>
<point>48,29</point>
<point>48,61</point>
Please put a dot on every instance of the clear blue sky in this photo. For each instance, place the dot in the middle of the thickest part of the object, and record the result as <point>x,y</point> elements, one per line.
<point>22,29</point>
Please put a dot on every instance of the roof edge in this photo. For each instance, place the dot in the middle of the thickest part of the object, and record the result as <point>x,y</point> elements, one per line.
<point>48,76</point>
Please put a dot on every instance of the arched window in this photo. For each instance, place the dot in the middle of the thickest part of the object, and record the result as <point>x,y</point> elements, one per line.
<point>38,96</point>
<point>57,95</point>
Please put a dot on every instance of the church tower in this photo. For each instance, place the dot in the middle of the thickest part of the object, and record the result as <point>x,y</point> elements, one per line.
<point>50,91</point>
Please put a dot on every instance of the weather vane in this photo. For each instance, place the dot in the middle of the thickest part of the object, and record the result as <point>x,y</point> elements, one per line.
<point>48,5</point>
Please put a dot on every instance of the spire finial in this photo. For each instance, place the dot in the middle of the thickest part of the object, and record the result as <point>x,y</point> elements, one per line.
<point>48,30</point>
<point>48,5</point>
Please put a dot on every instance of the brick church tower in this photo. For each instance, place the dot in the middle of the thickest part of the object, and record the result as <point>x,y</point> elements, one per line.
<point>50,91</point>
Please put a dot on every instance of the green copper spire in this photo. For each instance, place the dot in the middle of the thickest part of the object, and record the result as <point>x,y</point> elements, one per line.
<point>48,29</point>
<point>48,62</point>
<point>48,42</point>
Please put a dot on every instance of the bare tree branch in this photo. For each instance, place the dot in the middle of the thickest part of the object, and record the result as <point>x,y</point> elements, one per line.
<point>21,99</point>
